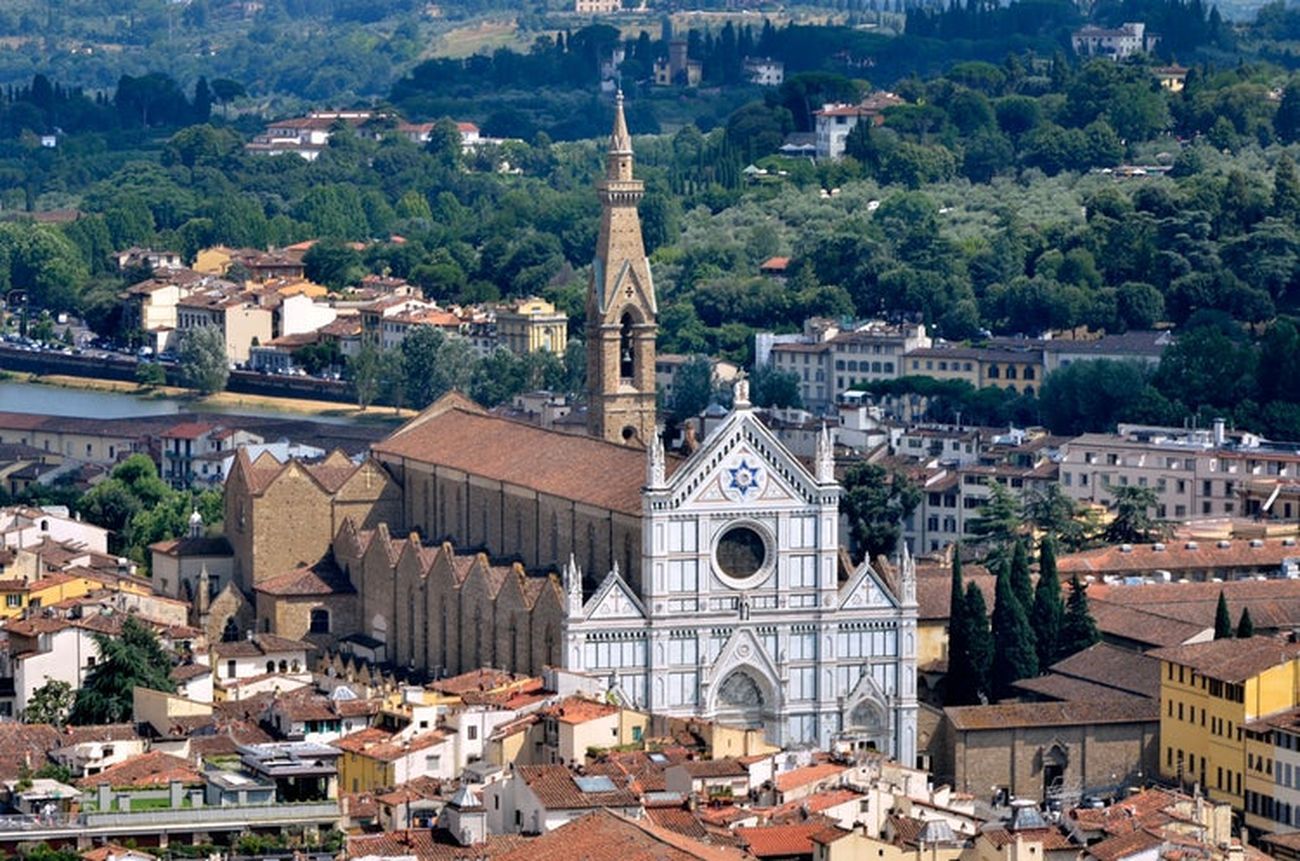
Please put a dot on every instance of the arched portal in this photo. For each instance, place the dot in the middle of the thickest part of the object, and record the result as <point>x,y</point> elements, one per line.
<point>742,701</point>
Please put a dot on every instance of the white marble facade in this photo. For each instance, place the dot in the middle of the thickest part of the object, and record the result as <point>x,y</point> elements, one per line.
<point>741,615</point>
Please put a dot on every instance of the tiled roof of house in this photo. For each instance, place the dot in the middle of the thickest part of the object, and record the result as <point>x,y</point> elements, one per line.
<point>259,645</point>
<point>25,745</point>
<point>1051,838</point>
<point>934,591</point>
<point>556,789</point>
<point>809,774</point>
<point>576,710</point>
<point>725,767</point>
<point>1139,625</point>
<point>305,704</point>
<point>1113,667</point>
<point>1273,604</point>
<point>1145,808</point>
<point>1175,556</point>
<point>1123,846</point>
<point>1052,714</point>
<point>384,746</point>
<point>323,578</point>
<point>424,845</point>
<point>776,841</point>
<point>483,679</point>
<point>678,819</point>
<point>154,768</point>
<point>457,434</point>
<point>1231,660</point>
<point>185,672</point>
<point>1067,688</point>
<point>608,836</point>
<point>818,802</point>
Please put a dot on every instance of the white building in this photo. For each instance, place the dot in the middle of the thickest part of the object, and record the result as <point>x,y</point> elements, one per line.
<point>41,651</point>
<point>300,314</point>
<point>1115,43</point>
<point>25,526</point>
<point>834,121</point>
<point>764,71</point>
<point>743,615</point>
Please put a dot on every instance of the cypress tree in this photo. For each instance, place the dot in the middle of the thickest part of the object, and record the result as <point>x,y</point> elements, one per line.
<point>1078,629</point>
<point>1222,620</point>
<point>1021,583</point>
<point>1045,617</point>
<point>1245,627</point>
<point>970,686</point>
<point>1014,655</point>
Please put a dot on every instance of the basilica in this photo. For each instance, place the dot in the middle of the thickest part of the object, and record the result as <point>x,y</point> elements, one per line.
<point>711,584</point>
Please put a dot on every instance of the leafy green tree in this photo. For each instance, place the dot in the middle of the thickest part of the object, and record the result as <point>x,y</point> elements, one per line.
<point>1245,625</point>
<point>772,387</point>
<point>1132,523</point>
<point>1046,616</point>
<point>444,143</point>
<point>1286,189</point>
<point>204,365</point>
<point>133,658</point>
<point>693,389</point>
<point>1286,122</point>
<point>876,502</point>
<point>433,364</point>
<point>999,520</point>
<point>1051,511</point>
<point>50,703</point>
<point>333,263</point>
<point>1222,619</point>
<point>150,374</point>
<point>364,371</point>
<point>1015,655</point>
<point>1078,628</point>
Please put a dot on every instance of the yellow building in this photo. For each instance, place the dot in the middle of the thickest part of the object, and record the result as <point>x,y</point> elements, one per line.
<point>532,326</point>
<point>1017,370</point>
<point>21,595</point>
<point>1208,693</point>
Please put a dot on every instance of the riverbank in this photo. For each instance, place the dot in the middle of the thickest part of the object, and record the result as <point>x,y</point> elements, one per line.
<point>219,402</point>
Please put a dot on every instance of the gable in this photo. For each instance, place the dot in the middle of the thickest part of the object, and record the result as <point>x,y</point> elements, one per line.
<point>865,590</point>
<point>614,600</point>
<point>743,464</point>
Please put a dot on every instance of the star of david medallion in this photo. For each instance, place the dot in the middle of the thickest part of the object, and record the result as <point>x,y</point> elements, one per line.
<point>743,481</point>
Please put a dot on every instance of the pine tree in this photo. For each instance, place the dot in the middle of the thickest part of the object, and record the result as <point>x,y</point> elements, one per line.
<point>1245,627</point>
<point>1286,189</point>
<point>1021,583</point>
<point>1222,620</point>
<point>969,684</point>
<point>1045,617</point>
<point>1286,122</point>
<point>956,608</point>
<point>1078,628</point>
<point>1015,656</point>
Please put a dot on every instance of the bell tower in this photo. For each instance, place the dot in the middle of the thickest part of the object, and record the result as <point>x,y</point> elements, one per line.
<point>621,313</point>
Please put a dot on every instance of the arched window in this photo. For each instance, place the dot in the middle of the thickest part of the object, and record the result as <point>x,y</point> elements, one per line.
<point>284,666</point>
<point>320,621</point>
<point>626,354</point>
<point>45,526</point>
<point>270,666</point>
<point>230,633</point>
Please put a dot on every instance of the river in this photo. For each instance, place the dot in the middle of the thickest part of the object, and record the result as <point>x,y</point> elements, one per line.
<point>20,397</point>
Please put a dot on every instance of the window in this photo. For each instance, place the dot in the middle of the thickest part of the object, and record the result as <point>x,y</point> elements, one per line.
<point>320,621</point>
<point>471,732</point>
<point>230,669</point>
<point>13,600</point>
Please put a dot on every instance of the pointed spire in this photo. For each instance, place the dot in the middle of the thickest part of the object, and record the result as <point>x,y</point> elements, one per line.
<point>571,579</point>
<point>656,468</point>
<point>908,570</point>
<point>620,142</point>
<point>824,457</point>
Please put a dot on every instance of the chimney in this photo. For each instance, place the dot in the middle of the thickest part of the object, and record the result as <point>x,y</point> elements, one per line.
<point>1220,428</point>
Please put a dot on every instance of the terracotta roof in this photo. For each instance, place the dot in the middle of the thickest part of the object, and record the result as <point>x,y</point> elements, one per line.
<point>726,767</point>
<point>575,710</point>
<point>385,746</point>
<point>1176,556</point>
<point>101,732</point>
<point>1068,689</point>
<point>1139,625</point>
<point>423,788</point>
<point>1125,845</point>
<point>934,591</point>
<point>483,679</point>
<point>1231,660</point>
<point>608,836</point>
<point>457,434</point>
<point>808,774</point>
<point>185,672</point>
<point>1051,838</point>
<point>1113,667</point>
<point>1048,714</point>
<point>114,850</point>
<point>259,645</point>
<point>1145,808</point>
<point>425,846</point>
<point>25,745</point>
<point>154,768</point>
<point>775,841</point>
<point>188,430</point>
<point>305,704</point>
<point>556,789</point>
<point>323,578</point>
<point>818,802</point>
<point>1273,604</point>
<point>678,819</point>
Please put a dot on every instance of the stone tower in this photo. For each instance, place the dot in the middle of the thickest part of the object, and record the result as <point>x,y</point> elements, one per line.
<point>621,313</point>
